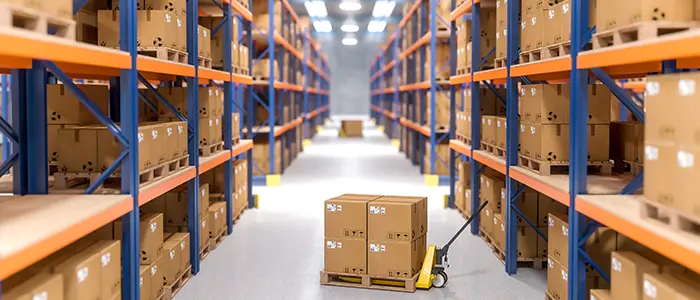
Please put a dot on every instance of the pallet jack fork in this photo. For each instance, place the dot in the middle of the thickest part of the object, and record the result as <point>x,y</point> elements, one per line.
<point>435,262</point>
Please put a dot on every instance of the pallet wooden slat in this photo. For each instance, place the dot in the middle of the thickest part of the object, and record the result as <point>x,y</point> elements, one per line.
<point>671,217</point>
<point>164,53</point>
<point>639,32</point>
<point>331,278</point>
<point>16,17</point>
<point>178,284</point>
<point>547,168</point>
<point>211,149</point>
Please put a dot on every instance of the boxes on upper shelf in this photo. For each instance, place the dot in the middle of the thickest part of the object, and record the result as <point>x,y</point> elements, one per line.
<point>551,142</point>
<point>156,29</point>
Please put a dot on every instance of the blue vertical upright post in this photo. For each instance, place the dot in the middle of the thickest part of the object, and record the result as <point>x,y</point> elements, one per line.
<point>453,123</point>
<point>129,167</point>
<point>250,107</point>
<point>37,150</point>
<point>305,74</point>
<point>395,73</point>
<point>6,145</point>
<point>433,87</point>
<point>512,126</point>
<point>271,87</point>
<point>578,148</point>
<point>475,114</point>
<point>193,145</point>
<point>19,108</point>
<point>226,119</point>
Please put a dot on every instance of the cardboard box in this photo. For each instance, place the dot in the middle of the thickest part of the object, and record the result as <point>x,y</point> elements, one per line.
<point>501,127</point>
<point>86,26</point>
<point>558,238</point>
<point>628,269</point>
<point>208,134</point>
<point>557,279</point>
<point>655,10</point>
<point>488,130</point>
<point>175,139</point>
<point>490,187</point>
<point>156,29</point>
<point>487,101</point>
<point>659,170</point>
<point>346,217</point>
<point>217,215</point>
<point>345,255</point>
<point>204,238</point>
<point>607,16</point>
<point>484,224</point>
<point>601,295</point>
<point>52,142</point>
<point>501,36</point>
<point>532,30</point>
<point>178,7</point>
<point>623,141</point>
<point>111,272</point>
<point>564,9</point>
<point>157,272</point>
<point>499,232</point>
<point>64,108</point>
<point>661,105</point>
<point>73,139</point>
<point>181,34</point>
<point>528,204</point>
<point>599,104</point>
<point>401,259</point>
<point>502,13</point>
<point>352,128</point>
<point>172,256</point>
<point>144,282</point>
<point>49,286</point>
<point>668,286</point>
<point>205,41</point>
<point>547,205</point>
<point>552,23</point>
<point>183,239</point>
<point>395,219</point>
<point>150,236</point>
<point>81,276</point>
<point>442,108</point>
<point>545,103</point>
<point>551,142</point>
<point>176,96</point>
<point>527,242</point>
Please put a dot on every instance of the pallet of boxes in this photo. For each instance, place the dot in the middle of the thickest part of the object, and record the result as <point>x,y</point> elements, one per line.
<point>215,46</point>
<point>215,180</point>
<point>374,242</point>
<point>71,126</point>
<point>351,128</point>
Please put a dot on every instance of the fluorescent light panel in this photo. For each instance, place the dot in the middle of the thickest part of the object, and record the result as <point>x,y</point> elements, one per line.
<point>350,28</point>
<point>350,5</point>
<point>316,8</point>
<point>323,26</point>
<point>383,8</point>
<point>376,26</point>
<point>349,41</point>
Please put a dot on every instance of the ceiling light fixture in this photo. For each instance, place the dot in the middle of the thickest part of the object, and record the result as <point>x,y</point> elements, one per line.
<point>350,28</point>
<point>316,8</point>
<point>350,5</point>
<point>323,26</point>
<point>349,41</point>
<point>383,8</point>
<point>376,26</point>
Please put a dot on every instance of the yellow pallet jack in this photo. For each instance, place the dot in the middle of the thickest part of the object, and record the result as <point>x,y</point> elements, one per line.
<point>433,271</point>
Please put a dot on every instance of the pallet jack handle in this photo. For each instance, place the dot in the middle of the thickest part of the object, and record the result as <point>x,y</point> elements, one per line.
<point>443,251</point>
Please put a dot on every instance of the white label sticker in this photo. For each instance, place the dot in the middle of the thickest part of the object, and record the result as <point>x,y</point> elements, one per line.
<point>179,24</point>
<point>203,192</point>
<point>374,247</point>
<point>565,8</point>
<point>82,274</point>
<point>383,248</point>
<point>550,263</point>
<point>216,215</point>
<point>522,128</point>
<point>172,254</point>
<point>551,14</point>
<point>653,88</point>
<point>140,137</point>
<point>340,245</point>
<point>105,259</point>
<point>382,210</point>
<point>374,210</point>
<point>522,25</point>
<point>154,270</point>
<point>179,129</point>
<point>533,21</point>
<point>503,194</point>
<point>522,91</point>
<point>686,87</point>
<point>551,222</point>
<point>564,275</point>
<point>650,289</point>
<point>686,160</point>
<point>153,227</point>
<point>43,295</point>
<point>340,208</point>
<point>532,130</point>
<point>564,230</point>
<point>331,245</point>
<point>616,265</point>
<point>651,153</point>
<point>170,131</point>
<point>204,224</point>
<point>182,245</point>
<point>154,134</point>
<point>495,221</point>
<point>167,18</point>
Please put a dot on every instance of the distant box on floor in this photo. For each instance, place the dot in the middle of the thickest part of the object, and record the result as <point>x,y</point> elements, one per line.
<point>352,128</point>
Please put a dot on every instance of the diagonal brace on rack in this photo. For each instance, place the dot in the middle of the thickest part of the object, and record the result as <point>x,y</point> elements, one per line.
<point>620,93</point>
<point>6,165</point>
<point>218,5</point>
<point>162,99</point>
<point>485,58</point>
<point>85,100</point>
<point>106,173</point>
<point>634,185</point>
<point>495,92</point>
<point>221,24</point>
<point>257,98</point>
<point>142,96</point>
<point>6,130</point>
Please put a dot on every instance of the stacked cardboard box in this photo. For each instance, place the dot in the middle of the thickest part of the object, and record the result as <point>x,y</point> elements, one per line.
<point>261,157</point>
<point>442,62</point>
<point>501,30</point>
<point>463,187</point>
<point>615,14</point>
<point>671,144</point>
<point>487,42</point>
<point>156,29</point>
<point>215,43</point>
<point>442,152</point>
<point>262,69</point>
<point>442,108</point>
<point>383,236</point>
<point>626,144</point>
<point>544,122</point>
<point>176,249</point>
<point>492,120</point>
<point>152,259</point>
<point>62,9</point>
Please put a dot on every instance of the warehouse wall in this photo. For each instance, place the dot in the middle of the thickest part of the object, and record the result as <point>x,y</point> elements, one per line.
<point>350,80</point>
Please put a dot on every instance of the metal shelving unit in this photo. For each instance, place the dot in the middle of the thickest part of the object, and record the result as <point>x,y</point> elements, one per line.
<point>28,58</point>
<point>312,101</point>
<point>592,200</point>
<point>386,102</point>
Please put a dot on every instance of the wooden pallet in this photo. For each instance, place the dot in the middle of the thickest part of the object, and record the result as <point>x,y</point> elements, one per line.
<point>487,147</point>
<point>671,217</point>
<point>214,242</point>
<point>204,62</point>
<point>467,141</point>
<point>236,140</point>
<point>204,253</point>
<point>173,289</point>
<point>556,50</point>
<point>547,168</point>
<point>537,263</point>
<point>370,282</point>
<point>211,149</point>
<point>464,70</point>
<point>237,215</point>
<point>548,296</point>
<point>165,53</point>
<point>500,152</point>
<point>21,19</point>
<point>67,180</point>
<point>500,62</point>
<point>463,212</point>
<point>486,238</point>
<point>261,78</point>
<point>641,31</point>
<point>628,168</point>
<point>243,71</point>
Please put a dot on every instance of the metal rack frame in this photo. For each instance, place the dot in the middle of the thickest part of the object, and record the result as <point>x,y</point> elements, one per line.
<point>279,94</point>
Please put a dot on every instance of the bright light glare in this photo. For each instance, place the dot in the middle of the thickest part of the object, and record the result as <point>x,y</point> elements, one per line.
<point>351,6</point>
<point>349,41</point>
<point>323,26</point>
<point>350,28</point>
<point>316,8</point>
<point>383,8</point>
<point>376,26</point>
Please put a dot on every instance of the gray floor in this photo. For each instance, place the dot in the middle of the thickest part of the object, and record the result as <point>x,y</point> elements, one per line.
<point>276,251</point>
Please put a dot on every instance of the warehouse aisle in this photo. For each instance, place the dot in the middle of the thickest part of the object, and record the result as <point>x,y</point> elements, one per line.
<point>276,252</point>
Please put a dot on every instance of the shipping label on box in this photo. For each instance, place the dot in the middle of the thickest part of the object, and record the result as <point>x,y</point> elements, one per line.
<point>345,255</point>
<point>400,259</point>
<point>346,217</point>
<point>558,238</point>
<point>393,221</point>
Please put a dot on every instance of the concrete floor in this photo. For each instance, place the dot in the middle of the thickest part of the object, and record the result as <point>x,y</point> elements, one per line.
<point>276,251</point>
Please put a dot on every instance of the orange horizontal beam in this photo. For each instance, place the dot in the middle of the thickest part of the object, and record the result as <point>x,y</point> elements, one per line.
<point>287,86</point>
<point>287,127</point>
<point>490,160</point>
<point>494,74</point>
<point>461,147</point>
<point>422,41</point>
<point>529,178</point>
<point>622,214</point>
<point>410,12</point>
<point>152,191</point>
<point>637,87</point>
<point>157,66</point>
<point>291,12</point>
<point>414,86</point>
<point>244,79</point>
<point>547,66</point>
<point>462,9</point>
<point>245,13</point>
<point>672,46</point>
<point>460,79</point>
<point>210,162</point>
<point>414,126</point>
<point>214,75</point>
<point>242,147</point>
<point>281,41</point>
